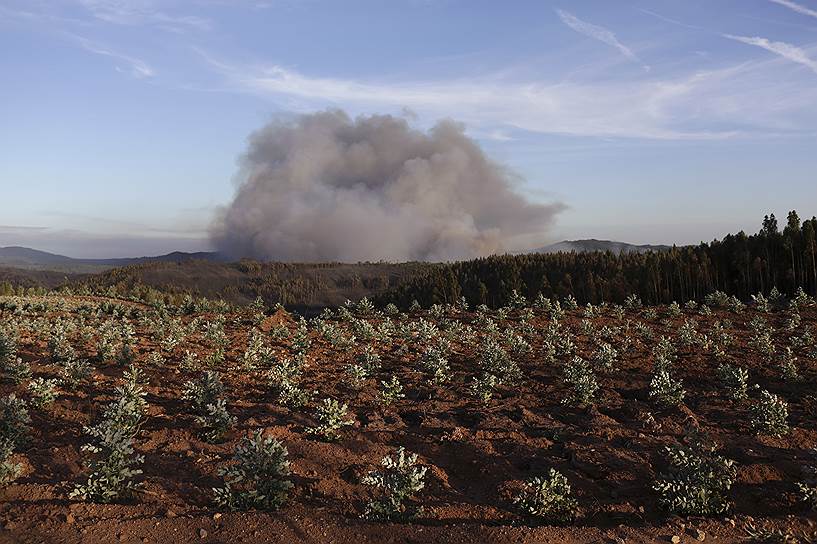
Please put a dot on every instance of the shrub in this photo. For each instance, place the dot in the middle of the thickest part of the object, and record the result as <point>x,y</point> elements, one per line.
<point>548,499</point>
<point>788,366</point>
<point>76,371</point>
<point>391,391</point>
<point>698,479</point>
<point>215,421</point>
<point>482,387</point>
<point>435,363</point>
<point>8,349</point>
<point>399,479</point>
<point>580,377</point>
<point>258,476</point>
<point>14,420</point>
<point>113,470</point>
<point>8,469</point>
<point>357,375</point>
<point>206,390</point>
<point>735,380</point>
<point>769,415</point>
<point>332,417</point>
<point>17,371</point>
<point>43,392</point>
<point>666,390</point>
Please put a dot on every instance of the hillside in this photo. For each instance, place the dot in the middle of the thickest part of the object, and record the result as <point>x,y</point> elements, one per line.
<point>33,259</point>
<point>305,287</point>
<point>582,246</point>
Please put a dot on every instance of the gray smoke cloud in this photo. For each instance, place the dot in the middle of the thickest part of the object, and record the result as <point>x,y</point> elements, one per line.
<point>326,187</point>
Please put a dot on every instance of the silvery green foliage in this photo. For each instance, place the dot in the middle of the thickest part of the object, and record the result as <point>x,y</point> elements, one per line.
<point>769,415</point>
<point>206,390</point>
<point>542,303</point>
<point>580,378</point>
<point>761,303</point>
<point>215,420</point>
<point>482,387</point>
<point>664,353</point>
<point>58,342</point>
<point>548,499</point>
<point>212,415</point>
<point>632,302</point>
<point>363,329</point>
<point>369,359</point>
<point>257,478</point>
<point>788,366</point>
<point>331,417</point>
<point>517,300</point>
<point>666,390</point>
<point>43,392</point>
<point>391,391</point>
<point>736,305</point>
<point>795,320</point>
<point>437,311</point>
<point>674,309</point>
<point>9,470</point>
<point>801,299</point>
<point>257,351</point>
<point>8,349</point>
<point>300,340</point>
<point>285,378</point>
<point>436,365</point>
<point>76,371</point>
<point>494,360</point>
<point>293,396</point>
<point>398,479</point>
<point>14,420</point>
<point>515,343</point>
<point>688,333</point>
<point>17,371</point>
<point>606,356</point>
<point>365,306</point>
<point>698,480</point>
<point>357,375</point>
<point>112,470</point>
<point>776,298</point>
<point>735,379</point>
<point>190,361</point>
<point>391,309</point>
<point>556,312</point>
<point>570,302</point>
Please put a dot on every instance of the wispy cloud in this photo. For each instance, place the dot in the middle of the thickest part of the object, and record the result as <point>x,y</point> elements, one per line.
<point>597,33</point>
<point>785,50</point>
<point>796,7</point>
<point>133,66</point>
<point>703,105</point>
<point>139,12</point>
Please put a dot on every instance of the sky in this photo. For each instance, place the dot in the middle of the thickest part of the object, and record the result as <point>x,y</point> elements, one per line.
<point>652,121</point>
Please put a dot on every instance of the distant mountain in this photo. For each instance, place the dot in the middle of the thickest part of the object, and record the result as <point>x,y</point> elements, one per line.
<point>581,246</point>
<point>33,259</point>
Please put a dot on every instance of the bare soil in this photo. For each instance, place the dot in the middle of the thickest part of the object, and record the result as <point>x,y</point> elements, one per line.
<point>478,456</point>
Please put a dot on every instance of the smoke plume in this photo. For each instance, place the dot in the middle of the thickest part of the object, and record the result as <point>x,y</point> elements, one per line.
<point>326,187</point>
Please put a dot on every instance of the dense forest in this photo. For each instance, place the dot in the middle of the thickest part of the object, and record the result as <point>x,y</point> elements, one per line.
<point>739,265</point>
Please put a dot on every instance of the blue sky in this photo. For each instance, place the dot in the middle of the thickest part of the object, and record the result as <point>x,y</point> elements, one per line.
<point>652,120</point>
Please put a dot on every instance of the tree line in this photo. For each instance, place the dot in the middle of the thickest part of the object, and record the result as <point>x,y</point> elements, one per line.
<point>739,264</point>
